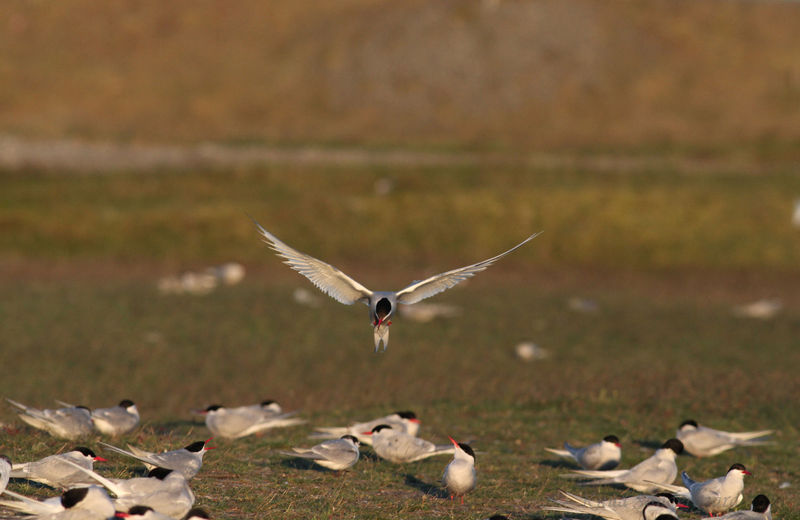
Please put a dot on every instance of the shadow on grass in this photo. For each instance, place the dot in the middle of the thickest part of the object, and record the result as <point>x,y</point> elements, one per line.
<point>429,489</point>
<point>303,464</point>
<point>558,464</point>
<point>649,444</point>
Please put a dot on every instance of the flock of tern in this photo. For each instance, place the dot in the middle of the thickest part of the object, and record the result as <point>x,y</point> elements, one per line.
<point>165,492</point>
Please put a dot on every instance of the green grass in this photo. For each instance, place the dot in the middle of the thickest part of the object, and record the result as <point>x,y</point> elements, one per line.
<point>665,257</point>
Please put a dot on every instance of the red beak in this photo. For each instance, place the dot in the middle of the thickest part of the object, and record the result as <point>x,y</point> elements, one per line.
<point>681,506</point>
<point>747,472</point>
<point>453,441</point>
<point>100,459</point>
<point>120,514</point>
<point>366,433</point>
<point>414,421</point>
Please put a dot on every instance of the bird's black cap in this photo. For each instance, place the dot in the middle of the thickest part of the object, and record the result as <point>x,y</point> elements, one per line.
<point>760,503</point>
<point>407,414</point>
<point>352,438</point>
<point>139,510</point>
<point>86,451</point>
<point>673,444</point>
<point>611,438</point>
<point>159,473</point>
<point>195,446</point>
<point>125,403</point>
<point>467,449</point>
<point>691,422</point>
<point>381,427</point>
<point>73,496</point>
<point>213,407</point>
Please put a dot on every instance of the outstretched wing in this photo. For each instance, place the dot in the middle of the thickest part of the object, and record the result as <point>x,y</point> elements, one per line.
<point>326,277</point>
<point>418,291</point>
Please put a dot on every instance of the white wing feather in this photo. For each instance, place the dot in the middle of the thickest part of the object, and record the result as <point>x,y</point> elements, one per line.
<point>326,277</point>
<point>418,291</point>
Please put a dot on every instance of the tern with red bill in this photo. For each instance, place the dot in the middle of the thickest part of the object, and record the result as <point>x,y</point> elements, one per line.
<point>187,461</point>
<point>403,421</point>
<point>335,454</point>
<point>382,304</point>
<point>603,455</point>
<point>760,509</point>
<point>716,496</point>
<point>54,472</point>
<point>70,422</point>
<point>399,447</point>
<point>83,503</point>
<point>459,476</point>
<point>241,421</point>
<point>615,509</point>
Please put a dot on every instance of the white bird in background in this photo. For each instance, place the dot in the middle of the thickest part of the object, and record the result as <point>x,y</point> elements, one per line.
<point>603,455</point>
<point>165,490</point>
<point>335,454</point>
<point>382,304</point>
<point>403,421</point>
<point>70,422</point>
<point>398,447</point>
<point>235,423</point>
<point>658,511</point>
<point>459,476</point>
<point>660,468</point>
<point>5,472</point>
<point>54,472</point>
<point>187,461</point>
<point>84,503</point>
<point>702,441</point>
<point>760,509</point>
<point>616,509</point>
<point>117,420</point>
<point>715,496</point>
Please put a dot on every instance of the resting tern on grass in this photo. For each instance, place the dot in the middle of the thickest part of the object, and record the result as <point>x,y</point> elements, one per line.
<point>117,420</point>
<point>760,509</point>
<point>84,503</point>
<point>660,468</point>
<point>382,304</point>
<point>616,509</point>
<point>70,422</point>
<point>164,490</point>
<point>656,510</point>
<point>54,472</point>
<point>603,455</point>
<point>459,476</point>
<point>5,472</point>
<point>335,454</point>
<point>235,423</point>
<point>403,421</point>
<point>702,441</point>
<point>715,496</point>
<point>187,461</point>
<point>398,447</point>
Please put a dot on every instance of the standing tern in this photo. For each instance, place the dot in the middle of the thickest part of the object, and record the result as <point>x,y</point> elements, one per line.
<point>660,468</point>
<point>398,447</point>
<point>54,472</point>
<point>615,509</point>
<point>716,496</point>
<point>164,490</point>
<point>187,461</point>
<point>760,509</point>
<point>335,454</point>
<point>459,476</point>
<point>603,455</point>
<point>382,304</point>
<point>70,422</point>
<point>402,421</point>
<point>117,420</point>
<point>235,423</point>
<point>702,441</point>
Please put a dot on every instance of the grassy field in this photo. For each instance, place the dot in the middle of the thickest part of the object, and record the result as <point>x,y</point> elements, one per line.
<point>664,256</point>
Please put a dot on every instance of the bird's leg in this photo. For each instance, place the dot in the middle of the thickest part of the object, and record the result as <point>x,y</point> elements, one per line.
<point>451,498</point>
<point>462,500</point>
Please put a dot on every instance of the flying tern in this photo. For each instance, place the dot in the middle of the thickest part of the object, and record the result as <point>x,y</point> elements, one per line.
<point>603,455</point>
<point>382,304</point>
<point>54,472</point>
<point>335,454</point>
<point>660,468</point>
<point>702,441</point>
<point>117,420</point>
<point>616,509</point>
<point>235,423</point>
<point>715,496</point>
<point>760,509</point>
<point>399,447</point>
<point>187,461</point>
<point>70,422</point>
<point>403,421</point>
<point>459,476</point>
